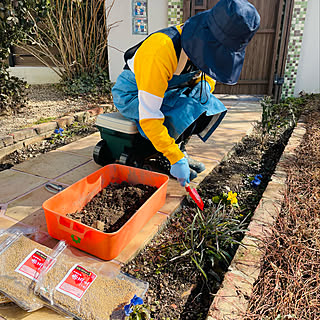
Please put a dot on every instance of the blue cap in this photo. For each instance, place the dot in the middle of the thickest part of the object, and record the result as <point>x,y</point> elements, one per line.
<point>215,40</point>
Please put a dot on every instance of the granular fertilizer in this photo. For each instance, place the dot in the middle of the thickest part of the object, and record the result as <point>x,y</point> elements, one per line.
<point>16,286</point>
<point>104,298</point>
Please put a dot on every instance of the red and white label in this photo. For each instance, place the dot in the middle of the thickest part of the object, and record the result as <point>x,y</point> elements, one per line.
<point>76,282</point>
<point>33,263</point>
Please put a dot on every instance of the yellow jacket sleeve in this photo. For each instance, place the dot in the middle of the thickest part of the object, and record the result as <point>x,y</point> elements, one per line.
<point>154,64</point>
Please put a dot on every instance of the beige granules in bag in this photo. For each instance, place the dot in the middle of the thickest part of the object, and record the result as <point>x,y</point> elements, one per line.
<point>3,298</point>
<point>15,285</point>
<point>104,297</point>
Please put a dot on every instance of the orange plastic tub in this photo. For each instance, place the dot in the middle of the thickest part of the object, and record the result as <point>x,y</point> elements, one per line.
<point>103,245</point>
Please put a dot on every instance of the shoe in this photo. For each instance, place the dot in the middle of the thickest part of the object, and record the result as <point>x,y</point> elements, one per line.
<point>193,174</point>
<point>194,164</point>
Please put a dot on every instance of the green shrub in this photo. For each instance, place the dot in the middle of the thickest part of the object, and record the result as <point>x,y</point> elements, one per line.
<point>12,93</point>
<point>94,84</point>
<point>14,23</point>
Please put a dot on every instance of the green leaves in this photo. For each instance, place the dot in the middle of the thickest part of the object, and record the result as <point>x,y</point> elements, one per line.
<point>12,92</point>
<point>281,116</point>
<point>211,238</point>
<point>14,22</point>
<point>96,84</point>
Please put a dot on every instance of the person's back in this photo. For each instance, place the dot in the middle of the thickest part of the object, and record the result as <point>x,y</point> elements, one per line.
<point>167,83</point>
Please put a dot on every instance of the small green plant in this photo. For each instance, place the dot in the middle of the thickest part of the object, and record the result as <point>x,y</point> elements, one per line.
<point>12,92</point>
<point>60,134</point>
<point>95,83</point>
<point>44,120</point>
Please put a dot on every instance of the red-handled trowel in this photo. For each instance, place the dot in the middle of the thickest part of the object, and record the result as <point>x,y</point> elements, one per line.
<point>195,196</point>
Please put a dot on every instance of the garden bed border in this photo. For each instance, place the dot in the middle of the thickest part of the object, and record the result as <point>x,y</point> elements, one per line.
<point>36,133</point>
<point>232,299</point>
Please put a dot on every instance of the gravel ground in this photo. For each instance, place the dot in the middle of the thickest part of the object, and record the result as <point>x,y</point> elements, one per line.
<point>43,101</point>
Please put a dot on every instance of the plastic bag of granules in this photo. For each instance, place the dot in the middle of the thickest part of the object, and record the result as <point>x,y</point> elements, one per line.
<point>87,289</point>
<point>3,299</point>
<point>21,260</point>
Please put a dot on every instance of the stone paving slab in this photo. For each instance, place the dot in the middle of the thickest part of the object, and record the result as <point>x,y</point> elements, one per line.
<point>14,184</point>
<point>210,164</point>
<point>36,219</point>
<point>78,173</point>
<point>15,313</point>
<point>5,223</point>
<point>52,164</point>
<point>28,204</point>
<point>217,145</point>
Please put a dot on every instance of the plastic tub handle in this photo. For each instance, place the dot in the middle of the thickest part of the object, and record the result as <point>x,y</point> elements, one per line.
<point>73,229</point>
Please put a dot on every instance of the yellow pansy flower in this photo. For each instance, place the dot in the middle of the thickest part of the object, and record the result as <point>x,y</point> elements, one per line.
<point>232,196</point>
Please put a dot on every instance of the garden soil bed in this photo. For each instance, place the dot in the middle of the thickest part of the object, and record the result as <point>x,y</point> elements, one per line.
<point>113,206</point>
<point>71,134</point>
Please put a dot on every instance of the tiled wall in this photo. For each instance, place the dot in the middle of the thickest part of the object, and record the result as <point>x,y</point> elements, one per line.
<point>294,47</point>
<point>175,12</point>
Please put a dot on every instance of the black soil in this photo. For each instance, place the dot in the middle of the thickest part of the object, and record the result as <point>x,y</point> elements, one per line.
<point>113,206</point>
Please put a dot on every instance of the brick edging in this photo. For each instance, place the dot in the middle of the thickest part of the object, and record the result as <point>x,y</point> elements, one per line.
<point>232,299</point>
<point>36,133</point>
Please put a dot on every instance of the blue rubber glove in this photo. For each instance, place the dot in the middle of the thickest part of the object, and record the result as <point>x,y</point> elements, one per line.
<point>181,171</point>
<point>195,92</point>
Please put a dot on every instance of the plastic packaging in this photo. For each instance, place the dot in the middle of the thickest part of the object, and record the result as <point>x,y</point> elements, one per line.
<point>20,259</point>
<point>84,290</point>
<point>3,299</point>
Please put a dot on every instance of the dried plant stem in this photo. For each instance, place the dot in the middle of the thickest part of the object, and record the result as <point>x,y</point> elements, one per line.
<point>72,38</point>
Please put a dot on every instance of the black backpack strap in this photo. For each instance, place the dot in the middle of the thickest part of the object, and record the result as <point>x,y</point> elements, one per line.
<point>172,32</point>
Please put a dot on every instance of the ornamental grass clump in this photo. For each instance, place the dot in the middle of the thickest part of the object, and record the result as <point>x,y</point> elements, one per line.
<point>72,40</point>
<point>212,237</point>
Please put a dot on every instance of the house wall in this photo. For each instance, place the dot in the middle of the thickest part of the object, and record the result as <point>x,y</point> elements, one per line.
<point>302,63</point>
<point>308,74</point>
<point>121,37</point>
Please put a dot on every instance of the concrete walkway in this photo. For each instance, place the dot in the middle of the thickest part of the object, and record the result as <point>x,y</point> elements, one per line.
<point>22,190</point>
